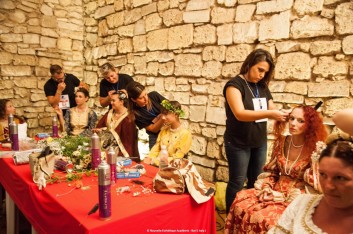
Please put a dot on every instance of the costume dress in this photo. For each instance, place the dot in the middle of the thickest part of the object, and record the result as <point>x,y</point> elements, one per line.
<point>71,81</point>
<point>250,214</point>
<point>145,117</point>
<point>297,218</point>
<point>126,130</point>
<point>80,123</point>
<point>4,130</point>
<point>178,142</point>
<point>106,86</point>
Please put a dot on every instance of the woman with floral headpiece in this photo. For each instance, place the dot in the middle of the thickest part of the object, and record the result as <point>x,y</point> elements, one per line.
<point>289,173</point>
<point>120,128</point>
<point>176,138</point>
<point>331,211</point>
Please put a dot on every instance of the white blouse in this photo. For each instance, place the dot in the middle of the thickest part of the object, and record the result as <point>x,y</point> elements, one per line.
<point>297,218</point>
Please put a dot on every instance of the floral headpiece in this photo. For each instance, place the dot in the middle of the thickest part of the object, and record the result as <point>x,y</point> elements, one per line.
<point>320,146</point>
<point>169,107</point>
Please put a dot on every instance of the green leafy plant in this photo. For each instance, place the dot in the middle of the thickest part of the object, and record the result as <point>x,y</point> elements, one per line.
<point>169,107</point>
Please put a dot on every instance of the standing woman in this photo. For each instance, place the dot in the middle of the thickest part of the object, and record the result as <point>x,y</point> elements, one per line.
<point>147,110</point>
<point>122,127</point>
<point>6,108</point>
<point>248,105</point>
<point>111,83</point>
<point>78,120</point>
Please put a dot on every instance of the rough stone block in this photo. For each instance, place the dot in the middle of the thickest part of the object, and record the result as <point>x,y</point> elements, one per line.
<point>196,16</point>
<point>288,98</point>
<point>238,53</point>
<point>166,69</point>
<point>198,145</point>
<point>216,53</point>
<point>328,67</point>
<point>265,7</point>
<point>212,69</point>
<point>333,105</point>
<point>180,36</point>
<point>115,20</point>
<point>216,115</point>
<point>325,47</point>
<point>244,13</point>
<point>8,70</point>
<point>296,87</point>
<point>293,66</point>
<point>139,43</point>
<point>172,17</point>
<point>303,7</point>
<point>157,40</point>
<point>153,22</point>
<point>205,34</point>
<point>311,26</point>
<point>221,15</point>
<point>270,29</point>
<point>344,18</point>
<point>188,65</point>
<point>197,113</point>
<point>231,69</point>
<point>225,34</point>
<point>329,89</point>
<point>245,32</point>
<point>347,45</point>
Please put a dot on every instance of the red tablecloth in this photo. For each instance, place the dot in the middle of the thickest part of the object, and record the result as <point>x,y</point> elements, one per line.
<point>61,209</point>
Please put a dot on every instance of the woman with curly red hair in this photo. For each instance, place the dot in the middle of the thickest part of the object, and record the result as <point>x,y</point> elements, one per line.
<point>287,174</point>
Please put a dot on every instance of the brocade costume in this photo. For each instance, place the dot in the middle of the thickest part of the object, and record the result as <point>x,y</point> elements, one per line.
<point>250,214</point>
<point>80,123</point>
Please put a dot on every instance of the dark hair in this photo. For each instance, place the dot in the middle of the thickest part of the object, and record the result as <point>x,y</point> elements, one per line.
<point>340,149</point>
<point>83,90</point>
<point>314,129</point>
<point>256,56</point>
<point>122,96</point>
<point>134,89</point>
<point>3,103</point>
<point>54,68</point>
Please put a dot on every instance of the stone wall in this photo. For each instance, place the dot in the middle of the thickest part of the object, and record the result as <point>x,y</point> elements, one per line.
<point>184,49</point>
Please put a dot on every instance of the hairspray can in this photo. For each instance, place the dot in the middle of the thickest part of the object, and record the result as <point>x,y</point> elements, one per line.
<point>10,119</point>
<point>112,162</point>
<point>14,136</point>
<point>95,151</point>
<point>104,190</point>
<point>55,127</point>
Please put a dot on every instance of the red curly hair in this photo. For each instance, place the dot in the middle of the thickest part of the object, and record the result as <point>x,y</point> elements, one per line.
<point>314,130</point>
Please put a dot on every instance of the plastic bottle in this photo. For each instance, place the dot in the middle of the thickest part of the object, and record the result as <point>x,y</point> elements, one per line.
<point>14,136</point>
<point>163,157</point>
<point>55,127</point>
<point>95,151</point>
<point>104,192</point>
<point>112,163</point>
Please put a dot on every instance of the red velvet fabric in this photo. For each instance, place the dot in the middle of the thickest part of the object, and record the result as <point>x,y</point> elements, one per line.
<point>60,208</point>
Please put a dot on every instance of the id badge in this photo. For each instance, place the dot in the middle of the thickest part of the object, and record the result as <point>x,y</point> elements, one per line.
<point>64,102</point>
<point>259,105</point>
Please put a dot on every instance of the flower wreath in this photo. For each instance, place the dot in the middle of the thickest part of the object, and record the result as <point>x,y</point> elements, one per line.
<point>169,107</point>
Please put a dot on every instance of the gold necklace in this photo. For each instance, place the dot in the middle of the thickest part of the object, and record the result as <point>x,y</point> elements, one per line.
<point>296,146</point>
<point>287,159</point>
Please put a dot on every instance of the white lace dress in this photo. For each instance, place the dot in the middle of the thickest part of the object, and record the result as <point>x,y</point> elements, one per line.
<point>297,218</point>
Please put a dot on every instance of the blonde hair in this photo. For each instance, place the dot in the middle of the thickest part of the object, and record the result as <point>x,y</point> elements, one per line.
<point>106,68</point>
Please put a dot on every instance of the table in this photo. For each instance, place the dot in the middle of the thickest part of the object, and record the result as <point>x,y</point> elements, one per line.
<point>60,208</point>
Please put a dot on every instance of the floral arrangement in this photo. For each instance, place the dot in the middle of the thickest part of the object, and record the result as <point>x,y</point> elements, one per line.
<point>74,150</point>
<point>169,107</point>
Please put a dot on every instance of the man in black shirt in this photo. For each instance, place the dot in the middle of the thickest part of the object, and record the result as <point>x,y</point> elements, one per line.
<point>60,88</point>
